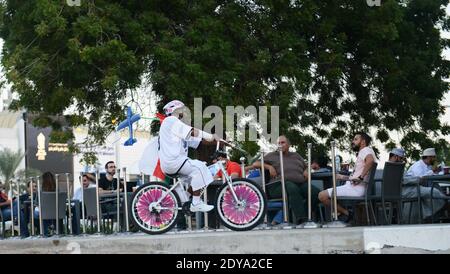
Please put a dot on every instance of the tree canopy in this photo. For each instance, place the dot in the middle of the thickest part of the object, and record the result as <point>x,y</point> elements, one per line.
<point>333,66</point>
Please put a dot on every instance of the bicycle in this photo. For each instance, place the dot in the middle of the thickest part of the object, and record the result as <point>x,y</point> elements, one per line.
<point>240,203</point>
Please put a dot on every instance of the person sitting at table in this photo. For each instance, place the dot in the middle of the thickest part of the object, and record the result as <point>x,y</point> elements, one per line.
<point>355,185</point>
<point>108,184</point>
<point>87,181</point>
<point>424,167</point>
<point>412,178</point>
<point>26,198</point>
<point>233,169</point>
<point>49,185</point>
<point>295,174</point>
<point>5,208</point>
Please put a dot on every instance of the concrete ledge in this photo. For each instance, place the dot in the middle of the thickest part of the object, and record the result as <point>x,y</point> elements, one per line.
<point>427,237</point>
<point>284,241</point>
<point>388,239</point>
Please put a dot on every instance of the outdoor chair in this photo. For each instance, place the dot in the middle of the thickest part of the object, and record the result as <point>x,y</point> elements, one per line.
<point>366,199</point>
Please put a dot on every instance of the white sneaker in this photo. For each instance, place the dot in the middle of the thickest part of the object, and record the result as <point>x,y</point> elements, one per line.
<point>202,207</point>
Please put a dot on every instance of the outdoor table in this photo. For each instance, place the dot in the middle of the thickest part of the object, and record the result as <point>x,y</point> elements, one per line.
<point>112,197</point>
<point>429,179</point>
<point>326,177</point>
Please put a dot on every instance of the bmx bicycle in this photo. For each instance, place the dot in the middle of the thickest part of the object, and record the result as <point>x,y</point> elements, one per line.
<point>240,203</point>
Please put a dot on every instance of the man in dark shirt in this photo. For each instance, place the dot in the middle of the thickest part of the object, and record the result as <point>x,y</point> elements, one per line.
<point>295,176</point>
<point>26,197</point>
<point>108,183</point>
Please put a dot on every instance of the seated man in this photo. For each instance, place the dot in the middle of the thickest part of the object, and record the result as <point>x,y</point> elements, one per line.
<point>87,181</point>
<point>424,166</point>
<point>5,207</point>
<point>295,174</point>
<point>233,169</point>
<point>108,183</point>
<point>420,168</point>
<point>31,186</point>
<point>355,185</point>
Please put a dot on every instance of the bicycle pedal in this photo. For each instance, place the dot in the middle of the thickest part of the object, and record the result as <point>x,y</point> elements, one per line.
<point>186,209</point>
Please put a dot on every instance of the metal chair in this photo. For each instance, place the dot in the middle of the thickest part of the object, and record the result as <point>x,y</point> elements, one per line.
<point>3,225</point>
<point>366,199</point>
<point>47,206</point>
<point>391,192</point>
<point>90,203</point>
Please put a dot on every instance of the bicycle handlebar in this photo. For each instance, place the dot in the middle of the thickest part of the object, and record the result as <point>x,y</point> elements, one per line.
<point>230,145</point>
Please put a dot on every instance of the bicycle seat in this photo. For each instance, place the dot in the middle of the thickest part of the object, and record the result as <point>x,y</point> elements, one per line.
<point>176,175</point>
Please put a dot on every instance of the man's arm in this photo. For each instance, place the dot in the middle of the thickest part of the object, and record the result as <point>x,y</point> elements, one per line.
<point>273,172</point>
<point>257,164</point>
<point>204,135</point>
<point>368,164</point>
<point>7,202</point>
<point>247,168</point>
<point>102,191</point>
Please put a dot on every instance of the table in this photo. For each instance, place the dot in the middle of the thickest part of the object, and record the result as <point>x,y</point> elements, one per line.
<point>429,179</point>
<point>112,198</point>
<point>326,177</point>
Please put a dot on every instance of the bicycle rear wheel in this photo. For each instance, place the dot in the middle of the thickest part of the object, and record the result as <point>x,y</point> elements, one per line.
<point>154,219</point>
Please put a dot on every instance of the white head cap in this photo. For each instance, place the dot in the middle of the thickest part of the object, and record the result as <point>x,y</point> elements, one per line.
<point>429,152</point>
<point>170,107</point>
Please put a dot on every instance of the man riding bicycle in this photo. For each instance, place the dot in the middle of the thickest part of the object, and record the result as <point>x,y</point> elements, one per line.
<point>174,139</point>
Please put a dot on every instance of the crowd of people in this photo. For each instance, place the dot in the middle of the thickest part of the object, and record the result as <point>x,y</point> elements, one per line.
<point>353,184</point>
<point>107,185</point>
<point>176,137</point>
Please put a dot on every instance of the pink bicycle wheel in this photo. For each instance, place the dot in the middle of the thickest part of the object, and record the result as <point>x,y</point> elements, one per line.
<point>155,219</point>
<point>245,213</point>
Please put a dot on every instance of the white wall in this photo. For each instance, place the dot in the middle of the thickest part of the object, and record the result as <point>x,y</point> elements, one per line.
<point>128,156</point>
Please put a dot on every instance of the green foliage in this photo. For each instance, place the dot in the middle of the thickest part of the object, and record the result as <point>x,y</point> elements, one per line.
<point>333,67</point>
<point>9,162</point>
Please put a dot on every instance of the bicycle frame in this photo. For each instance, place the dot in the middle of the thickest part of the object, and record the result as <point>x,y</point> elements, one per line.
<point>228,180</point>
<point>220,164</point>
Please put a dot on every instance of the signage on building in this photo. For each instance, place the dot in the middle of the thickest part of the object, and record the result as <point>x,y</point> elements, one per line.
<point>43,155</point>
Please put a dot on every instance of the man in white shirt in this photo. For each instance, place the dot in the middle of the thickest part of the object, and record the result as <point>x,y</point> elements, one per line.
<point>412,177</point>
<point>424,166</point>
<point>87,181</point>
<point>174,139</point>
<point>355,183</point>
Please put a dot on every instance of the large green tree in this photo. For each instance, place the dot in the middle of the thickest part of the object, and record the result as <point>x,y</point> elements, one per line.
<point>333,66</point>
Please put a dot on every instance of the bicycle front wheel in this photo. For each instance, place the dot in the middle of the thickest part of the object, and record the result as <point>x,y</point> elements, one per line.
<point>247,211</point>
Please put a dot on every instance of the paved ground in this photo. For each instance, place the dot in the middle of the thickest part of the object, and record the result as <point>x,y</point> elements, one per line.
<point>390,239</point>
